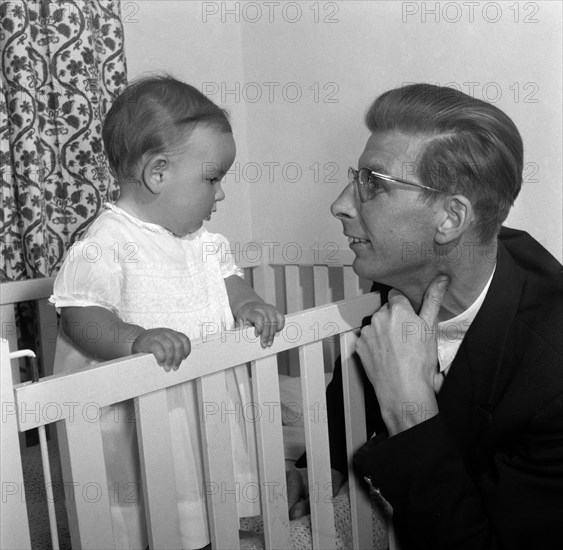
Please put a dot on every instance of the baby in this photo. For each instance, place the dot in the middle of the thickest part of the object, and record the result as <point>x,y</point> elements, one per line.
<point>143,280</point>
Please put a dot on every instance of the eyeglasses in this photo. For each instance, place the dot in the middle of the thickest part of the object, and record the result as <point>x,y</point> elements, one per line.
<point>368,182</point>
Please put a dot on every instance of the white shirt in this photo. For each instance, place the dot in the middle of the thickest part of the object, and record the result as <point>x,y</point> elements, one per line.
<point>452,332</point>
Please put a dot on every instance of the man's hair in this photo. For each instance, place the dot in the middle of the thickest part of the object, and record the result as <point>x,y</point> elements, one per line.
<point>155,114</point>
<point>472,147</point>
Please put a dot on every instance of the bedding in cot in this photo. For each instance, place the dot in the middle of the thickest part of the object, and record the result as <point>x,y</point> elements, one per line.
<point>300,529</point>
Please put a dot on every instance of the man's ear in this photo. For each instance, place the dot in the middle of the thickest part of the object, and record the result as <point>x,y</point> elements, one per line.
<point>153,173</point>
<point>456,218</point>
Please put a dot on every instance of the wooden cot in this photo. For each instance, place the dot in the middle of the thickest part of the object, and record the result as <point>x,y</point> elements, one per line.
<point>72,402</point>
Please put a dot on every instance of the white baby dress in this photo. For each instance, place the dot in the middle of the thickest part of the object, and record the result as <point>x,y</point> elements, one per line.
<point>152,278</point>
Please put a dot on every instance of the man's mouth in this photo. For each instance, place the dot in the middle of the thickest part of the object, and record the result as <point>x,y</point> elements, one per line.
<point>357,241</point>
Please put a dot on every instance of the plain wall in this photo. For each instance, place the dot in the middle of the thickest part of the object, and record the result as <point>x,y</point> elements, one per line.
<point>169,36</point>
<point>298,77</point>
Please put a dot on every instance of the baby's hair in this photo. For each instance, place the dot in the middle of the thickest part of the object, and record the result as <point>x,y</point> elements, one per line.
<point>155,114</point>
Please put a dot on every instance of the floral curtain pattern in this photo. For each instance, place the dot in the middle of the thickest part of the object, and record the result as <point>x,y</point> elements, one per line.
<point>63,63</point>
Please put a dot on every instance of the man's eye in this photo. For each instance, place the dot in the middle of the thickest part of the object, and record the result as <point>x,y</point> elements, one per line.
<point>213,181</point>
<point>376,183</point>
<point>375,186</point>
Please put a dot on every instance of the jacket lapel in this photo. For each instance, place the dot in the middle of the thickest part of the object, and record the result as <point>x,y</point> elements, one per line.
<point>477,377</point>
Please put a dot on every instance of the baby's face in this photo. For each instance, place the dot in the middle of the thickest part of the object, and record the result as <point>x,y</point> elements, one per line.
<point>193,179</point>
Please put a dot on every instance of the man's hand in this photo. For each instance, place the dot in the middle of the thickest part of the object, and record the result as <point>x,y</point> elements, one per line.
<point>399,354</point>
<point>298,491</point>
<point>168,346</point>
<point>265,318</point>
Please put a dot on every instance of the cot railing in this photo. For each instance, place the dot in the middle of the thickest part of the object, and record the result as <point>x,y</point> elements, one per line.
<point>294,278</point>
<point>73,400</point>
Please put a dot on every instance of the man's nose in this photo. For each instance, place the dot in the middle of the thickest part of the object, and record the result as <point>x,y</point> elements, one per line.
<point>345,205</point>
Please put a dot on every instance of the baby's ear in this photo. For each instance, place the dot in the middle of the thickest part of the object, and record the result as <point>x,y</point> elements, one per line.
<point>153,172</point>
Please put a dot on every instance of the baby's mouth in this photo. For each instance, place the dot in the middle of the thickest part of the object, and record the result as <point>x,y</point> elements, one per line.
<point>214,209</point>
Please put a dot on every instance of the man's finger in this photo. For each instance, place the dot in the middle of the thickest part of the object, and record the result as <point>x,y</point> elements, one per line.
<point>432,300</point>
<point>294,488</point>
<point>396,296</point>
<point>300,509</point>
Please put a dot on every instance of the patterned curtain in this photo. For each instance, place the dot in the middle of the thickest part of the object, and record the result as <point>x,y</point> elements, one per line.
<point>63,63</point>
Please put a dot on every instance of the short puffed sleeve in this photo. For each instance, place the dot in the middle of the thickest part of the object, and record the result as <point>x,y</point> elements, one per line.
<point>89,276</point>
<point>226,254</point>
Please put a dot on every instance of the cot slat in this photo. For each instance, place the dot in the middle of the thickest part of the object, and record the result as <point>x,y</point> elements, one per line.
<point>269,438</point>
<point>48,334</point>
<point>320,282</point>
<point>157,470</point>
<point>293,290</point>
<point>14,523</point>
<point>323,296</point>
<point>9,333</point>
<point>294,302</point>
<point>217,453</point>
<point>264,283</point>
<point>88,505</point>
<point>316,438</point>
<point>351,283</point>
<point>355,423</point>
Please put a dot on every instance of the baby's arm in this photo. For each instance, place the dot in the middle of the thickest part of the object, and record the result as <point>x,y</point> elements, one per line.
<point>247,306</point>
<point>102,334</point>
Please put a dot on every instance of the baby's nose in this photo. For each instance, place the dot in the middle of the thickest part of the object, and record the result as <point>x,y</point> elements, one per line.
<point>219,193</point>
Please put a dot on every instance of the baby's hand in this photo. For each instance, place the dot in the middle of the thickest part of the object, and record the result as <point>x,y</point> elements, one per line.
<point>168,346</point>
<point>267,320</point>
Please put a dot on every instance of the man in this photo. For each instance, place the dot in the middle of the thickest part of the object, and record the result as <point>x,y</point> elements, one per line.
<point>464,361</point>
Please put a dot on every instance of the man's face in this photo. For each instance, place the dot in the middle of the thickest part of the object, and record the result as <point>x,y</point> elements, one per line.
<point>385,231</point>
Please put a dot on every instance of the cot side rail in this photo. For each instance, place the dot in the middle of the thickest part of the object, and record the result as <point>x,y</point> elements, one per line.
<point>54,397</point>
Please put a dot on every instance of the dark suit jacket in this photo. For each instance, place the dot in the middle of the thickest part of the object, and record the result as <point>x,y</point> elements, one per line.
<point>487,471</point>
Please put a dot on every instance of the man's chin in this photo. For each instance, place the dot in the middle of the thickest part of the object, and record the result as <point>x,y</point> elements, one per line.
<point>362,270</point>
<point>369,272</point>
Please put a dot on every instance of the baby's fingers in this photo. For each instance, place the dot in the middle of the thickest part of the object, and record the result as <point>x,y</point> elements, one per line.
<point>261,328</point>
<point>168,348</point>
<point>275,324</point>
<point>179,349</point>
<point>159,352</point>
<point>270,331</point>
<point>280,318</point>
<point>186,346</point>
<point>265,325</point>
<point>171,347</point>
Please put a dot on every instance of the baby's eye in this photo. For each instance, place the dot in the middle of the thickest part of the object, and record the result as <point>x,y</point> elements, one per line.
<point>213,181</point>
